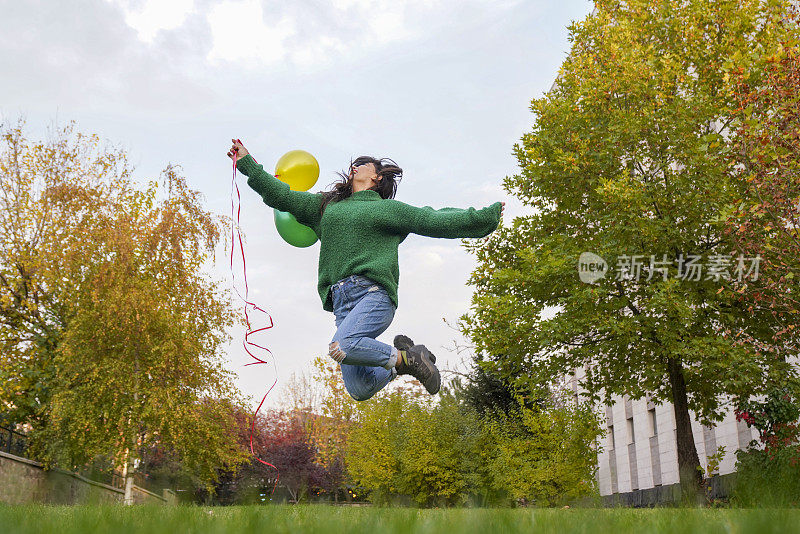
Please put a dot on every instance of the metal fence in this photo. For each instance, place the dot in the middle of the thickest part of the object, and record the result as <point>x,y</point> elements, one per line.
<point>13,442</point>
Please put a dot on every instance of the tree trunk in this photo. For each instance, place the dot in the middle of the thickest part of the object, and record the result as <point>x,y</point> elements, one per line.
<point>127,474</point>
<point>691,478</point>
<point>129,467</point>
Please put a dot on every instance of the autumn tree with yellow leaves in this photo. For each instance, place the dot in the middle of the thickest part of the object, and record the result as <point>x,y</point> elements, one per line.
<point>110,330</point>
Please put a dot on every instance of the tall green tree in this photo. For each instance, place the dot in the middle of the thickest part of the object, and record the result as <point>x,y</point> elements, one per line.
<point>629,159</point>
<point>110,328</point>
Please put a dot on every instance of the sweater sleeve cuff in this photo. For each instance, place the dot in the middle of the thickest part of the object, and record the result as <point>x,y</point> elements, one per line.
<point>498,208</point>
<point>247,165</point>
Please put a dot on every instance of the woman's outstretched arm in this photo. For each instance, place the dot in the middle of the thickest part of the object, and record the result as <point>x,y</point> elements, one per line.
<point>445,222</point>
<point>275,193</point>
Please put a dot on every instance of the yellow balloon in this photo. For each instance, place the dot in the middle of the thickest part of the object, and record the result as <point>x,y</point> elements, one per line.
<point>299,169</point>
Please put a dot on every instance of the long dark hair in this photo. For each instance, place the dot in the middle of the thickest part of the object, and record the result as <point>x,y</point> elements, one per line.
<point>386,169</point>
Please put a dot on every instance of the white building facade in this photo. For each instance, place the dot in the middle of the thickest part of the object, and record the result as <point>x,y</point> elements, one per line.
<point>639,450</point>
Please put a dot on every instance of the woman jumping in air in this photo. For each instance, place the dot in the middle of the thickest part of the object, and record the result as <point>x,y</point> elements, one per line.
<point>360,226</point>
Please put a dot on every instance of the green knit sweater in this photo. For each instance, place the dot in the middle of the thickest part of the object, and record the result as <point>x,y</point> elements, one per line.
<point>361,234</point>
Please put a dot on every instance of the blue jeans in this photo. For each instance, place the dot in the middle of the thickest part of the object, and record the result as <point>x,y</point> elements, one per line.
<point>363,311</point>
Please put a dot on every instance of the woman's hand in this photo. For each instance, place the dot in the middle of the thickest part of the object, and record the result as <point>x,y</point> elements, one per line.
<point>237,150</point>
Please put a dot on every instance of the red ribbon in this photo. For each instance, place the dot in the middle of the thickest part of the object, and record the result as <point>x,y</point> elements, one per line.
<point>247,317</point>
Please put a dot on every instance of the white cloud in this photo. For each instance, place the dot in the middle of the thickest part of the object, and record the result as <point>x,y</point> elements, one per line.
<point>488,188</point>
<point>309,34</point>
<point>256,33</point>
<point>240,33</point>
<point>426,258</point>
<point>381,21</point>
<point>155,16</point>
<point>310,53</point>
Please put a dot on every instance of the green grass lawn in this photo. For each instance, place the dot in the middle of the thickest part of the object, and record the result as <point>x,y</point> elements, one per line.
<point>371,520</point>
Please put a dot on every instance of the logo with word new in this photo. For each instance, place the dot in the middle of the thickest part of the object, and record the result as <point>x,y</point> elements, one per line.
<point>591,267</point>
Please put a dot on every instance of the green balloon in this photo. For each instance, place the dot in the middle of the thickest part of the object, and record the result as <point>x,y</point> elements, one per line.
<point>294,233</point>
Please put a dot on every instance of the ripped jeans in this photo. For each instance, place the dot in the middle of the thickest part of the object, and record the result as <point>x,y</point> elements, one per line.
<point>363,311</point>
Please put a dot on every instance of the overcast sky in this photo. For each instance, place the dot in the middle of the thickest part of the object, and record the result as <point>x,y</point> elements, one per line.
<point>443,87</point>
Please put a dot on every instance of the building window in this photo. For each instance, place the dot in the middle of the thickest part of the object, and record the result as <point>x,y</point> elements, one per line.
<point>630,430</point>
<point>611,437</point>
<point>651,417</point>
